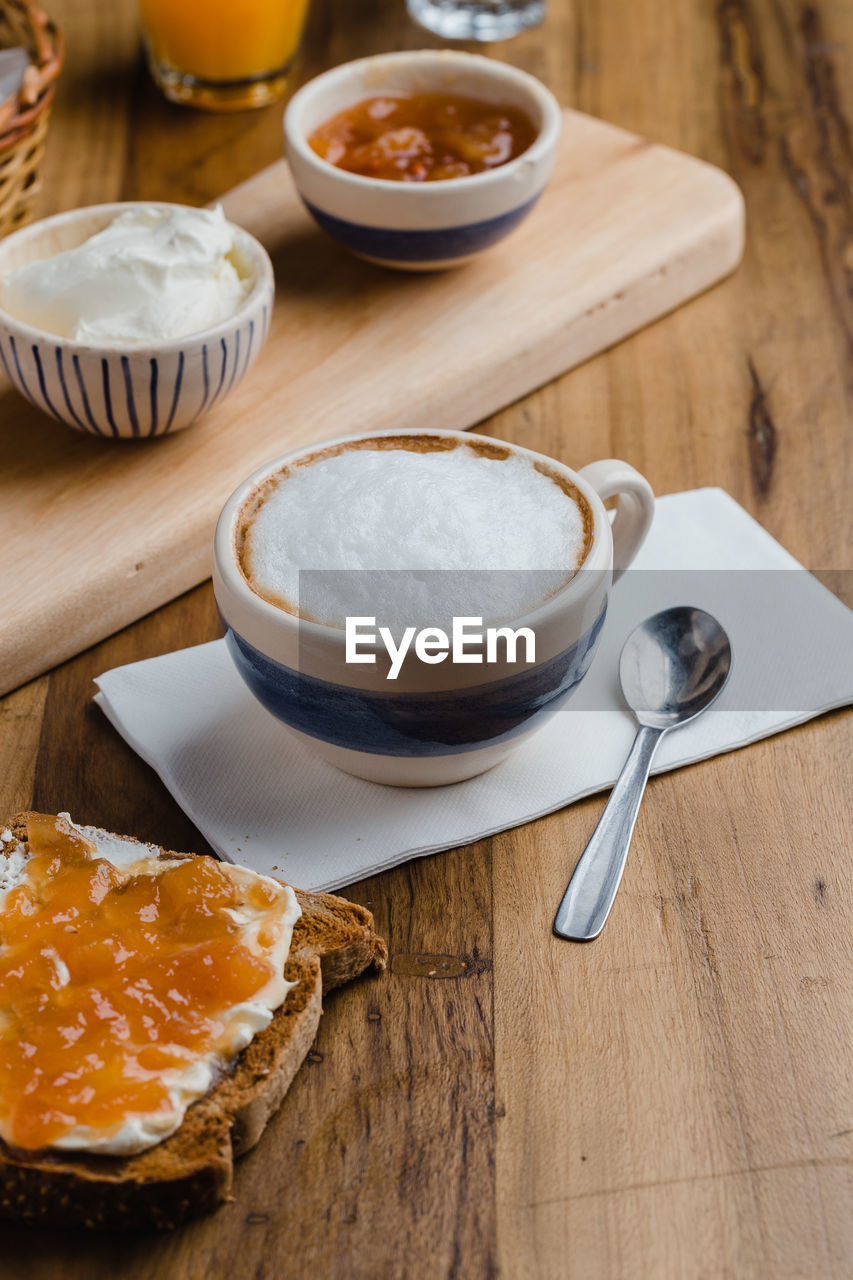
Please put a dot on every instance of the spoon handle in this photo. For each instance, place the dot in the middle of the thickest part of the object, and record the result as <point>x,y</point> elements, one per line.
<point>587,901</point>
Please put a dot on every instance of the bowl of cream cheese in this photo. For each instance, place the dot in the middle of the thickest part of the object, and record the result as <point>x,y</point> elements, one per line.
<point>132,320</point>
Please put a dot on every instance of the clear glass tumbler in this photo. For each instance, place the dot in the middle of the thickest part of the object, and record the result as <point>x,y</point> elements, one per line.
<point>477,19</point>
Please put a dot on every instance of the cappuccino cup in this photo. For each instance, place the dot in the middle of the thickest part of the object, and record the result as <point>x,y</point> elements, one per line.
<point>414,605</point>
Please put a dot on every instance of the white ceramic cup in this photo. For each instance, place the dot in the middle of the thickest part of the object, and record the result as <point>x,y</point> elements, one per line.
<point>435,723</point>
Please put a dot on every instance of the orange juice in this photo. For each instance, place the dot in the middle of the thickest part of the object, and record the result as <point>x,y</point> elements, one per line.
<point>222,43</point>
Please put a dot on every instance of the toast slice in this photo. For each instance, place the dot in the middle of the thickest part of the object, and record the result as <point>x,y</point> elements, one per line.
<point>190,1173</point>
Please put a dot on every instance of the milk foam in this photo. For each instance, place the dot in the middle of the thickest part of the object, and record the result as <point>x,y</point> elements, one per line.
<point>499,535</point>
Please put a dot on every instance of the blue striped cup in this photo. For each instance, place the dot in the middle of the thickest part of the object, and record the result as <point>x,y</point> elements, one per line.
<point>434,724</point>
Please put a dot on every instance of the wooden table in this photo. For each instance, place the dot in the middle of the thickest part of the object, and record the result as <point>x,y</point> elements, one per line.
<point>675,1099</point>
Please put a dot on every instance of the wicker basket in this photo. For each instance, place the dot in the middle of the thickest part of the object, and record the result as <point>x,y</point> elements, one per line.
<point>24,115</point>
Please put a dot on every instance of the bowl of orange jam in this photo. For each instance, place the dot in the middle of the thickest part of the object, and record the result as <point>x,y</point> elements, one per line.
<point>421,160</point>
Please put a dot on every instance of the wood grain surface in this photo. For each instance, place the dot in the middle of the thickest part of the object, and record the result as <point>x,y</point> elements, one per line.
<point>625,232</point>
<point>673,1100</point>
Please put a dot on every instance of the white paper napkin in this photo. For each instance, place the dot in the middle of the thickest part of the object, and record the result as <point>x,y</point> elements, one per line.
<point>261,799</point>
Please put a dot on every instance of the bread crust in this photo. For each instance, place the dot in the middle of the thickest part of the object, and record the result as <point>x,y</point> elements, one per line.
<point>190,1173</point>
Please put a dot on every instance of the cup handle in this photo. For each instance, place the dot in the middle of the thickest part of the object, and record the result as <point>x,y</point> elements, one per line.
<point>634,509</point>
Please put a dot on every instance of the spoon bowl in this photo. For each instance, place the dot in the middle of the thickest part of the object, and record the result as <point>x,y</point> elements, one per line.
<point>671,669</point>
<point>673,666</point>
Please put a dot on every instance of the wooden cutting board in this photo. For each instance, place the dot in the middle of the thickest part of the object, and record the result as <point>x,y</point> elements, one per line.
<point>97,533</point>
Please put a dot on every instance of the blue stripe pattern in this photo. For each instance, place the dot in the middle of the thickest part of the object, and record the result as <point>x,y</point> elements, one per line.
<point>108,402</point>
<point>128,392</point>
<point>249,346</point>
<point>43,387</point>
<point>177,393</point>
<point>60,373</point>
<point>152,396</point>
<point>75,361</point>
<point>6,365</point>
<point>205,379</point>
<point>442,244</point>
<point>236,359</point>
<point>23,384</point>
<point>176,397</point>
<point>224,347</point>
<point>97,410</point>
<point>406,725</point>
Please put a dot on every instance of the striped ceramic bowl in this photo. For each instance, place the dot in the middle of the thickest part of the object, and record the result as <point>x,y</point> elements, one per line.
<point>132,392</point>
<point>420,226</point>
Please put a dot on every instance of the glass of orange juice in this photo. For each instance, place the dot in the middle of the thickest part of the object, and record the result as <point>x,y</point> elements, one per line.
<point>222,55</point>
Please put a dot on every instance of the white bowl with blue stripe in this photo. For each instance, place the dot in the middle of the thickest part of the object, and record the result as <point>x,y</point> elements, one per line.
<point>420,226</point>
<point>129,392</point>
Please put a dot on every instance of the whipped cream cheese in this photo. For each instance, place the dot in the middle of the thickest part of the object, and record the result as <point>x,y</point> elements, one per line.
<point>241,1022</point>
<point>151,275</point>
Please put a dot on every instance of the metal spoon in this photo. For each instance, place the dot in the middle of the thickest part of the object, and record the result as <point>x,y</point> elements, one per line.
<point>672,668</point>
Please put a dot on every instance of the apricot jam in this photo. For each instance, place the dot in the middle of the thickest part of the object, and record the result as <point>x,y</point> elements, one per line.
<point>423,137</point>
<point>115,980</point>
